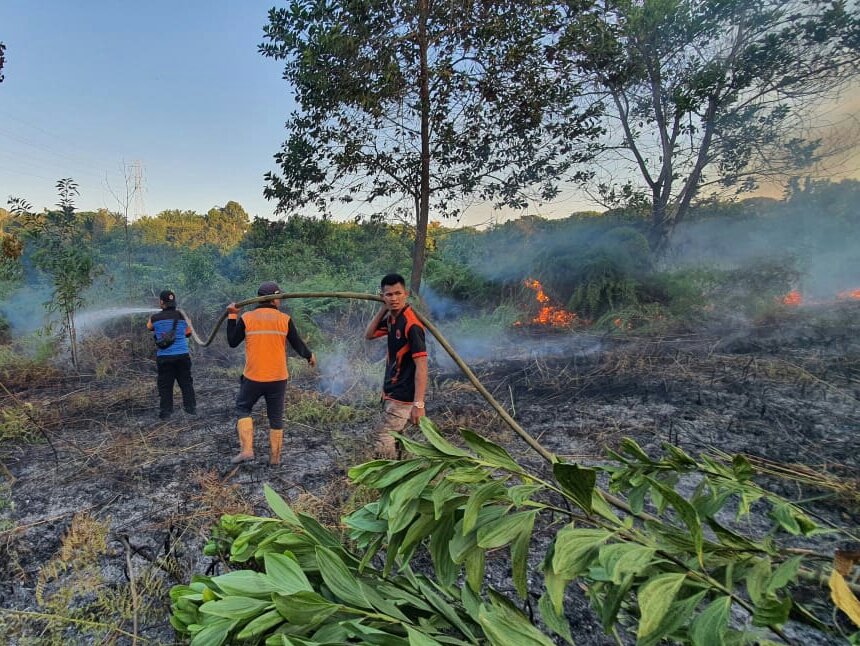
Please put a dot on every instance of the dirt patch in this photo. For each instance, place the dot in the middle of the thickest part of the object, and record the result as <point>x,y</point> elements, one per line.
<point>787,393</point>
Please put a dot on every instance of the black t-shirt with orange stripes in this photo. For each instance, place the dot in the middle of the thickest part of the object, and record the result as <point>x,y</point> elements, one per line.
<point>405,344</point>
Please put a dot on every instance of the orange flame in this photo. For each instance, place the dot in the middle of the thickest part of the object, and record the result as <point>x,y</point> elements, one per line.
<point>849,295</point>
<point>793,298</point>
<point>549,315</point>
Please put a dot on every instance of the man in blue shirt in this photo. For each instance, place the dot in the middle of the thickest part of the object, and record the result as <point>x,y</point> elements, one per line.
<point>173,361</point>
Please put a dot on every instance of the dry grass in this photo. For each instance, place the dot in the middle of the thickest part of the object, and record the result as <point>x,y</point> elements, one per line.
<point>216,498</point>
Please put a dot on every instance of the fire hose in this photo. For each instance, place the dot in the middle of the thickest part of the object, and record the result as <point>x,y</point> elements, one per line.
<point>519,430</point>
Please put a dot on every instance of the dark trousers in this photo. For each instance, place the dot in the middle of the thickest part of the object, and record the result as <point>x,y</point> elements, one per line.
<point>175,368</point>
<point>273,391</point>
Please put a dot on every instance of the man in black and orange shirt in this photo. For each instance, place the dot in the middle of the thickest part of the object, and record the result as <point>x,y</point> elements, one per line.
<point>406,364</point>
<point>265,331</point>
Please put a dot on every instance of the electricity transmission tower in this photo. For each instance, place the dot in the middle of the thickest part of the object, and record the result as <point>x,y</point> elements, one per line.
<point>137,182</point>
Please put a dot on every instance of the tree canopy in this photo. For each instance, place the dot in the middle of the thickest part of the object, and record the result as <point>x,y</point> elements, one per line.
<point>701,96</point>
<point>414,106</point>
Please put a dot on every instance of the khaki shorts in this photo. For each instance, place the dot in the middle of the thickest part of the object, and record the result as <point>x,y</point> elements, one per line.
<point>395,417</point>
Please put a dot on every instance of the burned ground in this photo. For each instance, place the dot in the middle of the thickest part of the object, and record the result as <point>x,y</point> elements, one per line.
<point>786,392</point>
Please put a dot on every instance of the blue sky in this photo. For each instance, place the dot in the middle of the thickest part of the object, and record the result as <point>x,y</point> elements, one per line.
<point>178,86</point>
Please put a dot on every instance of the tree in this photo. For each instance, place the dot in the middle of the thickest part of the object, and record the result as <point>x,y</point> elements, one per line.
<point>60,251</point>
<point>226,225</point>
<point>422,105</point>
<point>703,96</point>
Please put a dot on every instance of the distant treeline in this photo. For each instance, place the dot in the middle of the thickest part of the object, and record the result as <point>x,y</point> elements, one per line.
<point>597,264</point>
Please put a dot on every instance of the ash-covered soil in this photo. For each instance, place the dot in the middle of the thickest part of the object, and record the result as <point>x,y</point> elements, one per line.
<point>787,391</point>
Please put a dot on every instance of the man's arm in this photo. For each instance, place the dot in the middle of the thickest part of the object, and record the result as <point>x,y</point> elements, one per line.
<point>299,345</point>
<point>235,326</point>
<point>420,388</point>
<point>374,331</point>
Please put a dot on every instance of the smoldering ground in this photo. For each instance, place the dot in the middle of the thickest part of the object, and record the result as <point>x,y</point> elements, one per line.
<point>789,394</point>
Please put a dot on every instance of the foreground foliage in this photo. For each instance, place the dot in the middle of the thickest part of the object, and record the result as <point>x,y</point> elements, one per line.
<point>665,562</point>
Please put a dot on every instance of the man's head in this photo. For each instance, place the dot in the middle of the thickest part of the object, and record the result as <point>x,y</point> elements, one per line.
<point>167,298</point>
<point>269,288</point>
<point>393,291</point>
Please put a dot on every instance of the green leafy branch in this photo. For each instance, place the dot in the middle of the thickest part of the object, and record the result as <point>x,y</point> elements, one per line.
<point>669,565</point>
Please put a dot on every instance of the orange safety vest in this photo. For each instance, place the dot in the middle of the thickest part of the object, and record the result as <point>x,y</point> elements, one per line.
<point>266,331</point>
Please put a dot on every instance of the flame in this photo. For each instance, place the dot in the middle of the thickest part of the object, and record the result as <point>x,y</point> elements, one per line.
<point>849,295</point>
<point>549,315</point>
<point>793,298</point>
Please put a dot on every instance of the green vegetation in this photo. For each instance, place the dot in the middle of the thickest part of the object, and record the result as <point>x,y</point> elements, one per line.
<point>729,259</point>
<point>658,558</point>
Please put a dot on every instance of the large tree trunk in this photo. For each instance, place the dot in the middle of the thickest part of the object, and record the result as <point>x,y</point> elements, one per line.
<point>423,206</point>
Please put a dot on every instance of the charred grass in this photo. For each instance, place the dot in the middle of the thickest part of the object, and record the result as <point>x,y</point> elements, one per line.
<point>149,491</point>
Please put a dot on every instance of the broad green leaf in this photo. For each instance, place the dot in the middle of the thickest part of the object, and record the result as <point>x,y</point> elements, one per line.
<point>484,493</point>
<point>381,604</point>
<point>577,482</point>
<point>213,634</point>
<point>446,569</point>
<point>757,579</point>
<point>459,544</point>
<point>304,608</point>
<point>246,583</point>
<point>680,612</point>
<point>518,494</point>
<point>443,492</point>
<point>489,452</point>
<point>556,622</point>
<point>261,624</point>
<point>576,548</point>
<point>475,569</point>
<point>556,584</point>
<point>360,471</point>
<point>687,513</point>
<point>365,520</point>
<point>318,533</point>
<point>468,475</point>
<point>784,574</point>
<point>417,531</point>
<point>417,638</point>
<point>286,574</point>
<point>612,602</point>
<point>709,628</point>
<point>623,559</point>
<point>235,607</point>
<point>389,474</point>
<point>771,611</point>
<point>339,579</point>
<point>504,530</point>
<point>731,539</point>
<point>404,498</point>
<point>631,448</point>
<point>431,432</point>
<point>419,448</point>
<point>505,627</point>
<point>520,556</point>
<point>677,456</point>
<point>279,506</point>
<point>655,598</point>
<point>433,596</point>
<point>783,514</point>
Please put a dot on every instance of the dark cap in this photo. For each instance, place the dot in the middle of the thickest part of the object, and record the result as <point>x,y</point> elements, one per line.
<point>168,297</point>
<point>268,288</point>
